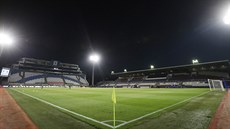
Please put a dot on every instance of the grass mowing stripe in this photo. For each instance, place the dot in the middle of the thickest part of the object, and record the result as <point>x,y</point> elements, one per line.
<point>159,110</point>
<point>53,105</point>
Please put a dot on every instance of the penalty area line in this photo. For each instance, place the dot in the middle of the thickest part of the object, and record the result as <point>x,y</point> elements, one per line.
<point>160,110</point>
<point>53,105</point>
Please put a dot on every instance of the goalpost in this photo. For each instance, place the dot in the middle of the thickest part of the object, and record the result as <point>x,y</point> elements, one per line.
<point>215,85</point>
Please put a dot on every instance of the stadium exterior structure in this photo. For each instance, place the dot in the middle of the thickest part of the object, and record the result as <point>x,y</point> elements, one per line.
<point>34,72</point>
<point>191,75</point>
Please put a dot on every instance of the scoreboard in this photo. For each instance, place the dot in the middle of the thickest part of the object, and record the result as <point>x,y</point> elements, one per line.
<point>5,72</point>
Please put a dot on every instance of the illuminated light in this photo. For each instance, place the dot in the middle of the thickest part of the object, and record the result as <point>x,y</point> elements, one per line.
<point>95,58</point>
<point>151,66</point>
<point>125,70</point>
<point>195,61</point>
<point>226,18</point>
<point>5,39</point>
<point>112,72</point>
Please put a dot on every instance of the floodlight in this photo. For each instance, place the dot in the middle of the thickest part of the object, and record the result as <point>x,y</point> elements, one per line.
<point>95,58</point>
<point>226,18</point>
<point>5,39</point>
<point>125,70</point>
<point>112,72</point>
<point>195,61</point>
<point>151,66</point>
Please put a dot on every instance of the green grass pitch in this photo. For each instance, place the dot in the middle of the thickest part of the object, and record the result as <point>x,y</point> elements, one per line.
<point>96,103</point>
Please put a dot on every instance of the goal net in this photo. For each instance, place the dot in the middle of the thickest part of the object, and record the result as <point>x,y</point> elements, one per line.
<point>215,85</point>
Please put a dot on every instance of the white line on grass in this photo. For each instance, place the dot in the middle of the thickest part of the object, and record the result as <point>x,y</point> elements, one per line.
<point>159,110</point>
<point>112,120</point>
<point>88,118</point>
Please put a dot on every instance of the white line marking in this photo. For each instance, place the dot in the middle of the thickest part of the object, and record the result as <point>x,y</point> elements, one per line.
<point>112,120</point>
<point>159,110</point>
<point>88,118</point>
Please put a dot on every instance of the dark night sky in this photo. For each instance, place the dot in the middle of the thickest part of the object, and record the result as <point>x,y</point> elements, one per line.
<point>129,35</point>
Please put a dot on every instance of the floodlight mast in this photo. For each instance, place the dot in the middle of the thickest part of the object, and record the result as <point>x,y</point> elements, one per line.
<point>94,58</point>
<point>226,18</point>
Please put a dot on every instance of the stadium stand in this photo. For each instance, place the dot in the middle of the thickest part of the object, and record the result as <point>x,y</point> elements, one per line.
<point>31,72</point>
<point>71,80</point>
<point>183,76</point>
<point>15,77</point>
<point>54,79</point>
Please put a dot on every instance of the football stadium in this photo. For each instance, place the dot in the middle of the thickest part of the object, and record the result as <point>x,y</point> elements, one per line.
<point>57,95</point>
<point>115,64</point>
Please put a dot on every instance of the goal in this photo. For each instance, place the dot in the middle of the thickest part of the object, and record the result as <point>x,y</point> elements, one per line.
<point>215,85</point>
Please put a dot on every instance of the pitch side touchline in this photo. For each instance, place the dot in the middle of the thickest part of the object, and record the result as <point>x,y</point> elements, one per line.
<point>159,110</point>
<point>88,118</point>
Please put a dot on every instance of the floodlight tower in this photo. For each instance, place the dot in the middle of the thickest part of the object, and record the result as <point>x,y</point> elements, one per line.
<point>226,20</point>
<point>94,58</point>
